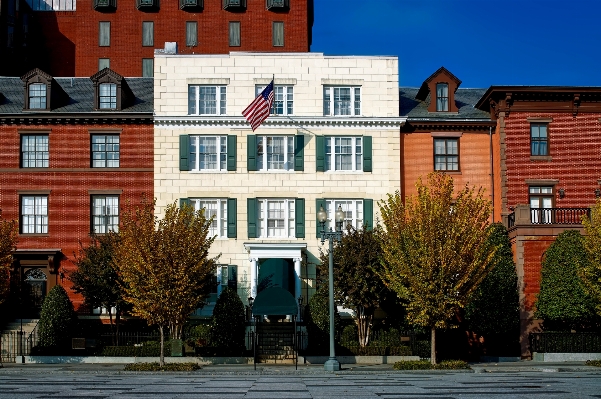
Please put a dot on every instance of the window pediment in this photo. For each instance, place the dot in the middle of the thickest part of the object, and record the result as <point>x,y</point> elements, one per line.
<point>38,90</point>
<point>111,92</point>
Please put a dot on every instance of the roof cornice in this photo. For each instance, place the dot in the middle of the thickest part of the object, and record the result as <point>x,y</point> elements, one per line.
<point>76,118</point>
<point>283,122</point>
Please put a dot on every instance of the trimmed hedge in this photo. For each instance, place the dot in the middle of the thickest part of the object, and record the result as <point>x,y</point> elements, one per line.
<point>167,367</point>
<point>596,363</point>
<point>356,350</point>
<point>148,349</point>
<point>426,365</point>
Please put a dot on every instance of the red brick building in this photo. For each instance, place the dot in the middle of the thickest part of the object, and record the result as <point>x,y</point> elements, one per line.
<point>444,132</point>
<point>549,171</point>
<point>81,37</point>
<point>74,152</point>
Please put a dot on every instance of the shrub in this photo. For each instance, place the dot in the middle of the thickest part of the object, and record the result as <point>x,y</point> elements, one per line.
<point>166,367</point>
<point>596,363</point>
<point>147,349</point>
<point>318,322</point>
<point>426,365</point>
<point>228,325</point>
<point>198,336</point>
<point>562,302</point>
<point>57,320</point>
<point>349,336</point>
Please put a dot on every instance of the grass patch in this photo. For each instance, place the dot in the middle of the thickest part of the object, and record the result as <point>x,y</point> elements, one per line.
<point>596,363</point>
<point>167,367</point>
<point>426,365</point>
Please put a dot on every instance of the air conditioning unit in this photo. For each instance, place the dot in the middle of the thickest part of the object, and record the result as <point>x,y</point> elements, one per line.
<point>105,5</point>
<point>234,4</point>
<point>278,4</point>
<point>191,4</point>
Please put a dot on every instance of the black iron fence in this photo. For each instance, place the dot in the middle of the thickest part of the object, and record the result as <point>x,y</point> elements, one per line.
<point>17,343</point>
<point>565,342</point>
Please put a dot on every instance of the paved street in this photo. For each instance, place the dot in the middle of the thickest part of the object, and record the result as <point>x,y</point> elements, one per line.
<point>108,381</point>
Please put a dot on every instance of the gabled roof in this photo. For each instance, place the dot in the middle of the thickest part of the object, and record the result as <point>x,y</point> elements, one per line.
<point>36,72</point>
<point>424,90</point>
<point>465,99</point>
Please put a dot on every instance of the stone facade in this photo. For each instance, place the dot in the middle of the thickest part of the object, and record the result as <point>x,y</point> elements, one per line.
<point>377,122</point>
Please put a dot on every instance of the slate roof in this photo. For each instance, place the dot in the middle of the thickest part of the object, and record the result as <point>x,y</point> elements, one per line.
<point>81,96</point>
<point>465,99</point>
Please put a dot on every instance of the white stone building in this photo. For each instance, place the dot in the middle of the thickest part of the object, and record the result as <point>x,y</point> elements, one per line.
<point>332,140</point>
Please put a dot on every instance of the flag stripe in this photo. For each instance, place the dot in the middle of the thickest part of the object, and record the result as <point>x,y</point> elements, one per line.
<point>258,110</point>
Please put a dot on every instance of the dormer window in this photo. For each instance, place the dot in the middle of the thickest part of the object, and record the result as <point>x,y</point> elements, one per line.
<point>442,97</point>
<point>37,96</point>
<point>108,96</point>
<point>111,91</point>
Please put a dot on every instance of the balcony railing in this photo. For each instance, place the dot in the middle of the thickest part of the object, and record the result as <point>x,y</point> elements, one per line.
<point>548,216</point>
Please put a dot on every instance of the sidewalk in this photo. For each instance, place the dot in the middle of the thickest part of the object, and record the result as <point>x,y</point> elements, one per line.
<point>504,367</point>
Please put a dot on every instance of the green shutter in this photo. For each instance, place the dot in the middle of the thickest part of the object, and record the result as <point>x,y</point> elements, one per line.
<point>319,202</point>
<point>232,213</point>
<point>184,201</point>
<point>368,213</point>
<point>231,153</point>
<point>251,213</point>
<point>251,152</point>
<point>367,167</point>
<point>299,217</point>
<point>184,152</point>
<point>299,152</point>
<point>320,154</point>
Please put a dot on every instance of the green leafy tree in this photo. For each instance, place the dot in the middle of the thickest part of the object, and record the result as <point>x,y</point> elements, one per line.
<point>318,321</point>
<point>164,265</point>
<point>8,243</point>
<point>357,284</point>
<point>436,250</point>
<point>494,309</point>
<point>228,325</point>
<point>57,320</point>
<point>590,271</point>
<point>96,277</point>
<point>563,303</point>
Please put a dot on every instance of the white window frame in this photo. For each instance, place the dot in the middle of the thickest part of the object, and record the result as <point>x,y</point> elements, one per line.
<point>263,156</point>
<point>34,214</point>
<point>38,96</point>
<point>332,104</point>
<point>444,155</point>
<point>287,206</point>
<point>107,96</point>
<point>34,151</point>
<point>442,97</point>
<point>334,143</point>
<point>541,197</point>
<point>353,213</point>
<point>283,99</point>
<point>217,207</point>
<point>220,153</point>
<point>105,213</point>
<point>105,154</point>
<point>220,99</point>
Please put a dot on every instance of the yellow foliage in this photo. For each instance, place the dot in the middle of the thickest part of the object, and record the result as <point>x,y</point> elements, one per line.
<point>590,274</point>
<point>8,242</point>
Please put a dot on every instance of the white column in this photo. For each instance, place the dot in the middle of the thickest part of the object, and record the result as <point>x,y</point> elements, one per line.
<point>253,276</point>
<point>297,283</point>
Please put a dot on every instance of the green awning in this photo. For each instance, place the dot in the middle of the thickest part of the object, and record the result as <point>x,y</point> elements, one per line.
<point>274,301</point>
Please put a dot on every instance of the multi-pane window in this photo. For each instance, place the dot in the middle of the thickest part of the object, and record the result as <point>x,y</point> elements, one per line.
<point>278,34</point>
<point>107,96</point>
<point>283,100</point>
<point>104,34</point>
<point>52,5</point>
<point>147,67</point>
<point>191,33</point>
<point>275,153</point>
<point>34,214</point>
<point>234,31</point>
<point>341,101</point>
<point>208,153</point>
<point>37,96</point>
<point>353,213</point>
<point>541,200</point>
<point>539,140</point>
<point>147,33</point>
<point>216,209</point>
<point>276,218</point>
<point>344,153</point>
<point>206,100</point>
<point>105,151</point>
<point>442,97</point>
<point>446,154</point>
<point>105,213</point>
<point>34,151</point>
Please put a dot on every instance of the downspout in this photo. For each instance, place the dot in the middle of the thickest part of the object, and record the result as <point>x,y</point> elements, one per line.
<point>492,174</point>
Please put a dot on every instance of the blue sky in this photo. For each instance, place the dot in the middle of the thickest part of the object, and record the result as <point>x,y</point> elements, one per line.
<point>482,42</point>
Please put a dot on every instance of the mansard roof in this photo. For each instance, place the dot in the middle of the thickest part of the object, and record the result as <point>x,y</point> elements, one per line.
<point>465,99</point>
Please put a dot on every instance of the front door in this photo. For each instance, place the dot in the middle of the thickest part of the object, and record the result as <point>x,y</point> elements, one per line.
<point>33,292</point>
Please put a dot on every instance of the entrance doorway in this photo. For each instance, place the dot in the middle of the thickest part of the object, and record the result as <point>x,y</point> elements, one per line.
<point>276,273</point>
<point>33,292</point>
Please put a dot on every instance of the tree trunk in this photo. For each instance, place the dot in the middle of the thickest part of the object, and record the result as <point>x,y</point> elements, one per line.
<point>363,322</point>
<point>161,356</point>
<point>117,322</point>
<point>433,345</point>
<point>111,324</point>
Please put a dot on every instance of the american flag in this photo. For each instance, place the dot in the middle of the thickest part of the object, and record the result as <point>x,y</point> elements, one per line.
<point>259,109</point>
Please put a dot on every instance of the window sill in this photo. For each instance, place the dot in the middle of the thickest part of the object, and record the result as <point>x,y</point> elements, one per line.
<point>449,172</point>
<point>34,234</point>
<point>541,158</point>
<point>273,171</point>
<point>207,171</point>
<point>345,171</point>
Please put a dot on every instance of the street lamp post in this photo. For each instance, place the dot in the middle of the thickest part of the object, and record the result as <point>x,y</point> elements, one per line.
<point>332,363</point>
